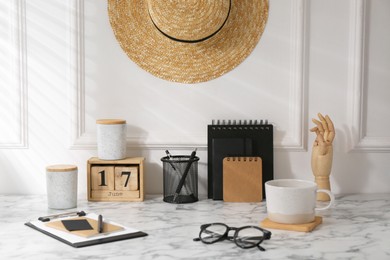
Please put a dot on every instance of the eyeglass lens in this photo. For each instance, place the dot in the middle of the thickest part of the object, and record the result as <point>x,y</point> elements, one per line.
<point>249,237</point>
<point>212,233</point>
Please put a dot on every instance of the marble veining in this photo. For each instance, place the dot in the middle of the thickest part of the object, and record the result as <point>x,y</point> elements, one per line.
<point>356,227</point>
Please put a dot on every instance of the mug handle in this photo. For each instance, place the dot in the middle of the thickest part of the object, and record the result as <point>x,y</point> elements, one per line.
<point>331,196</point>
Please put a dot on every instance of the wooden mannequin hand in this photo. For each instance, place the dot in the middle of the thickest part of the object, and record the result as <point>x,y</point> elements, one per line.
<point>322,154</point>
<point>321,159</point>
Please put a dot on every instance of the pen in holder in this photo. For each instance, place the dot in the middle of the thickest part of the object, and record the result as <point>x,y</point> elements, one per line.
<point>180,174</point>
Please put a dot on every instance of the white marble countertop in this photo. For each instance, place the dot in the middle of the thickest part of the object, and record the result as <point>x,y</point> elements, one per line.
<point>357,227</point>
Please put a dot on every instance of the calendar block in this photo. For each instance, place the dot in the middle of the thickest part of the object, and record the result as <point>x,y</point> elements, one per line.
<point>115,180</point>
<point>126,178</point>
<point>102,177</point>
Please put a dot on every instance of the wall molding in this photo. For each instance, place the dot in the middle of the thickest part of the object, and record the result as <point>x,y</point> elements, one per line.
<point>79,139</point>
<point>360,142</point>
<point>295,140</point>
<point>19,70</point>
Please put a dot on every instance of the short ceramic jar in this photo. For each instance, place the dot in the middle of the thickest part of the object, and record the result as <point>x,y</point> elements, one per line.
<point>111,139</point>
<point>61,184</point>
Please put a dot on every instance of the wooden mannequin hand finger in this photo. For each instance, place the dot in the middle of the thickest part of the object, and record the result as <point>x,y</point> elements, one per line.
<point>324,122</point>
<point>320,138</point>
<point>319,125</point>
<point>332,131</point>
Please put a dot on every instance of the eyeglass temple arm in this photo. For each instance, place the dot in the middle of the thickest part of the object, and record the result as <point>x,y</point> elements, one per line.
<point>267,234</point>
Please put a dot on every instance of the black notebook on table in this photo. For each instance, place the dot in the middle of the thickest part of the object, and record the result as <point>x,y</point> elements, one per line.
<point>241,138</point>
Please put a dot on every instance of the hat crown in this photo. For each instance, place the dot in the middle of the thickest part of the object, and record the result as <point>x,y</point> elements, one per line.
<point>189,20</point>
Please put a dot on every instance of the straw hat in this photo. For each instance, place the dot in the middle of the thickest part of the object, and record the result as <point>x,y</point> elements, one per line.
<point>188,41</point>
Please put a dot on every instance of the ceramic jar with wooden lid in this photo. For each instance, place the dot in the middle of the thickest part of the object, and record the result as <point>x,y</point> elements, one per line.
<point>61,184</point>
<point>111,139</point>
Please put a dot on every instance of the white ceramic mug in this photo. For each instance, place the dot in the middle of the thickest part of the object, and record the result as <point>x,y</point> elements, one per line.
<point>291,201</point>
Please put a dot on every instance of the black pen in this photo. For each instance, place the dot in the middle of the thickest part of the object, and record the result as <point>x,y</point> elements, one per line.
<point>100,223</point>
<point>170,157</point>
<point>183,177</point>
<point>62,215</point>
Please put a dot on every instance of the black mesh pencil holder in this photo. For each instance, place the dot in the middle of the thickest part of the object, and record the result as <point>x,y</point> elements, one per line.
<point>180,174</point>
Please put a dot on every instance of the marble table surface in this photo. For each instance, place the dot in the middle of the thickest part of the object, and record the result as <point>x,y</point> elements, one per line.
<point>357,227</point>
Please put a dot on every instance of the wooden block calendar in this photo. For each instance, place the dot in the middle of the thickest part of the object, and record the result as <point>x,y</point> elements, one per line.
<point>115,180</point>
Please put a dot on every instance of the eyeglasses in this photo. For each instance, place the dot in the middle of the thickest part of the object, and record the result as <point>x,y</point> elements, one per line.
<point>244,237</point>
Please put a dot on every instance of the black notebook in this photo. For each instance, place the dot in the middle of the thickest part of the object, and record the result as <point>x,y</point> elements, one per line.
<point>237,138</point>
<point>226,147</point>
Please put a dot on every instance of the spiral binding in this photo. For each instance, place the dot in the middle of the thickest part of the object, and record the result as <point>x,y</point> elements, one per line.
<point>240,124</point>
<point>244,159</point>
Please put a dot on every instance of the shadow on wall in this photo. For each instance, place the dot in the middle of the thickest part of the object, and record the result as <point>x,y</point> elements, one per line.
<point>154,178</point>
<point>350,171</point>
<point>282,161</point>
<point>133,130</point>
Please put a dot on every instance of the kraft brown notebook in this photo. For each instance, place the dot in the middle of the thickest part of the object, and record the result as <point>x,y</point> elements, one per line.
<point>107,228</point>
<point>242,179</point>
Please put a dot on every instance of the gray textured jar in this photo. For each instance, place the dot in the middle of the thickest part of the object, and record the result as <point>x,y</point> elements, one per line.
<point>111,139</point>
<point>61,184</point>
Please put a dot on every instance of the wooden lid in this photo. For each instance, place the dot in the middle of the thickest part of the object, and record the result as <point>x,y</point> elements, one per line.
<point>61,168</point>
<point>110,121</point>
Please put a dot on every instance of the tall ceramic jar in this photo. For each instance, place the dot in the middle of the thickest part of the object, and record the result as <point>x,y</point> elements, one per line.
<point>61,183</point>
<point>111,139</point>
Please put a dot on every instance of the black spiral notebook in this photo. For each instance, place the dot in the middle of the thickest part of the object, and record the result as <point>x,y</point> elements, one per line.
<point>232,138</point>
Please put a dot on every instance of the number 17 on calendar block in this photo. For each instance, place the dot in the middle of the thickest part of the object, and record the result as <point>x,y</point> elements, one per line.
<point>119,180</point>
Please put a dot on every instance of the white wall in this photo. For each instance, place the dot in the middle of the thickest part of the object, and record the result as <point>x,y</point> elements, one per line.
<point>61,68</point>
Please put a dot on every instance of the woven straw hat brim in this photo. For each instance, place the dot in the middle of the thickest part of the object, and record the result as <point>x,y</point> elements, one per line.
<point>187,62</point>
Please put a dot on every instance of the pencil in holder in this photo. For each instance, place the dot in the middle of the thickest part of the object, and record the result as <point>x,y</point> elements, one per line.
<point>180,175</point>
